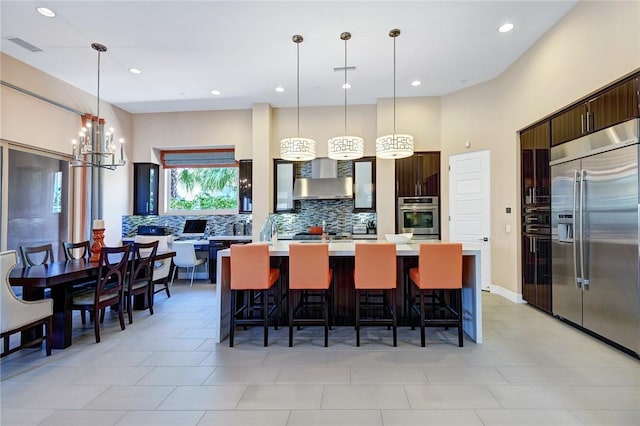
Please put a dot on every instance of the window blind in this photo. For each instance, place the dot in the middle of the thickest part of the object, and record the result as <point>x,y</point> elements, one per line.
<point>195,158</point>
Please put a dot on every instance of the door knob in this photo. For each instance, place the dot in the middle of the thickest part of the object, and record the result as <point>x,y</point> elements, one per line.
<point>485,239</point>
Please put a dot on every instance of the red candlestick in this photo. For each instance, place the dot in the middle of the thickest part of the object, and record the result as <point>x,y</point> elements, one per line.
<point>98,243</point>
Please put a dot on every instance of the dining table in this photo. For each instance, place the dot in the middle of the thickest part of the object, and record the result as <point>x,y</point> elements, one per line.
<point>60,277</point>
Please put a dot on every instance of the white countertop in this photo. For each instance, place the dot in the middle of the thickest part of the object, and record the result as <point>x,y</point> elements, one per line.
<point>203,240</point>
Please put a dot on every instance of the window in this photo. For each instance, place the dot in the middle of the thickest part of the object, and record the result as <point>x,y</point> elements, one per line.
<point>202,180</point>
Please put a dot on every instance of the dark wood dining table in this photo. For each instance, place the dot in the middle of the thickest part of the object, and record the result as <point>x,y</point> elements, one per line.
<point>60,277</point>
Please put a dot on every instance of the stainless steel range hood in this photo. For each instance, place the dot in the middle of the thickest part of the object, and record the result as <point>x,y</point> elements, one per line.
<point>324,183</point>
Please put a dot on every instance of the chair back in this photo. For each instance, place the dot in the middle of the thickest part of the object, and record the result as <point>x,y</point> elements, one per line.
<point>144,255</point>
<point>161,267</point>
<point>9,302</point>
<point>79,250</point>
<point>36,255</point>
<point>309,266</point>
<point>185,253</point>
<point>250,266</point>
<point>375,266</point>
<point>113,272</point>
<point>440,266</point>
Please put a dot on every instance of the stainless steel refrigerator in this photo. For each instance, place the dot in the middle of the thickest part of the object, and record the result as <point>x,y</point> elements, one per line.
<point>594,220</point>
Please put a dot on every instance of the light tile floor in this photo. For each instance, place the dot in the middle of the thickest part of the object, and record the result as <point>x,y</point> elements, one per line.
<point>165,370</point>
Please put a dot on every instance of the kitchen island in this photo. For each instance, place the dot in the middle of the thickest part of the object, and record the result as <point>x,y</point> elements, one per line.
<point>341,256</point>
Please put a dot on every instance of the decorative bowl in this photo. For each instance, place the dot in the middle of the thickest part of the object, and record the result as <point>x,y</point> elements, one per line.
<point>399,238</point>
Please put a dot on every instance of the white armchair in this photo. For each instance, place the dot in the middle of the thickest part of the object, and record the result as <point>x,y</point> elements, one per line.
<point>18,315</point>
<point>162,267</point>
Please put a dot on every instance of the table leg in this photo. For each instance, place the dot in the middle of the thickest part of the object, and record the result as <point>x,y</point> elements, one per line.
<point>62,316</point>
<point>30,293</point>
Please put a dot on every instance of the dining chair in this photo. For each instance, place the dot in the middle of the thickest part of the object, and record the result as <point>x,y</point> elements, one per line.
<point>309,276</point>
<point>36,255</point>
<point>161,268</point>
<point>186,258</point>
<point>140,280</point>
<point>74,251</point>
<point>17,315</point>
<point>374,275</point>
<point>252,277</point>
<point>439,270</point>
<point>109,289</point>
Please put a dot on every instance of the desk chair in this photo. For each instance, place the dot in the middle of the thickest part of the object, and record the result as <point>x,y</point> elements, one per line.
<point>309,273</point>
<point>36,255</point>
<point>375,273</point>
<point>186,258</point>
<point>140,280</point>
<point>439,270</point>
<point>17,315</point>
<point>252,275</point>
<point>109,286</point>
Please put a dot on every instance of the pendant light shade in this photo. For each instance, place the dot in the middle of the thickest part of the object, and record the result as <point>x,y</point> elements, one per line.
<point>394,146</point>
<point>345,147</point>
<point>297,148</point>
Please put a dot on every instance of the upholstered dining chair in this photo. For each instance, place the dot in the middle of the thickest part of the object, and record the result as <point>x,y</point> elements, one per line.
<point>374,276</point>
<point>74,251</point>
<point>17,315</point>
<point>140,280</point>
<point>186,258</point>
<point>439,270</point>
<point>309,273</point>
<point>252,275</point>
<point>161,268</point>
<point>36,255</point>
<point>109,288</point>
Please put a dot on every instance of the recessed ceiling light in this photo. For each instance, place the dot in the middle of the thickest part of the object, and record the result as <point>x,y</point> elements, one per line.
<point>135,71</point>
<point>216,92</point>
<point>416,83</point>
<point>346,86</point>
<point>279,89</point>
<point>46,12</point>
<point>505,28</point>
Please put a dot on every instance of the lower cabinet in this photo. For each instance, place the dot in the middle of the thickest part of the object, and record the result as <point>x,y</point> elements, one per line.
<point>536,270</point>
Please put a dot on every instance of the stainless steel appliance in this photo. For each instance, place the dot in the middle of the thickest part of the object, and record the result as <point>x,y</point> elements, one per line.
<point>419,215</point>
<point>594,222</point>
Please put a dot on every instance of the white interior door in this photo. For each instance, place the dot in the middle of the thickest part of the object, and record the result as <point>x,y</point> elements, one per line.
<point>469,206</point>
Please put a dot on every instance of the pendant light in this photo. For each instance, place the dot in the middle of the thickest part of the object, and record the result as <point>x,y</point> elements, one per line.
<point>394,146</point>
<point>297,148</point>
<point>345,147</point>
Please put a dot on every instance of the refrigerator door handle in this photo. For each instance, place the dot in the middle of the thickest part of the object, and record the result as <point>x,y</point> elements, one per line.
<point>585,280</point>
<point>576,183</point>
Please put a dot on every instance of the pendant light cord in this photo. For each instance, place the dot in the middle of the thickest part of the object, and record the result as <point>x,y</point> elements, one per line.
<point>298,83</point>
<point>394,88</point>
<point>98,86</point>
<point>345,85</point>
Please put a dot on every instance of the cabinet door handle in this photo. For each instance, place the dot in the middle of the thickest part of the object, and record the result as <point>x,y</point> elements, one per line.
<point>588,125</point>
<point>582,123</point>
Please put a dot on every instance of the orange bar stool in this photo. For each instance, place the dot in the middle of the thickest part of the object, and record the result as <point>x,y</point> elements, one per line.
<point>374,275</point>
<point>309,273</point>
<point>251,272</point>
<point>439,268</point>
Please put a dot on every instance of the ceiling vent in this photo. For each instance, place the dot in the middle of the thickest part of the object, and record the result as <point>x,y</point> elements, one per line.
<point>20,42</point>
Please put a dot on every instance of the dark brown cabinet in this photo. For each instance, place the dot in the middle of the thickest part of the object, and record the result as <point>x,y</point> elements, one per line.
<point>418,175</point>
<point>145,188</point>
<point>245,192</point>
<point>536,271</point>
<point>611,106</point>
<point>534,161</point>
<point>364,184</point>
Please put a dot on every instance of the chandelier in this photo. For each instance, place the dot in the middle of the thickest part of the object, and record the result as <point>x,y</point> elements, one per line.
<point>345,147</point>
<point>95,147</point>
<point>297,148</point>
<point>394,146</point>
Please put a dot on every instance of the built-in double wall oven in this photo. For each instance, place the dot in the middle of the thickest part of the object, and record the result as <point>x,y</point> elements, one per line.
<point>419,215</point>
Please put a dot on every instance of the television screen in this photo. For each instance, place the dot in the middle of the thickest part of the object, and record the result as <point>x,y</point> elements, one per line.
<point>194,227</point>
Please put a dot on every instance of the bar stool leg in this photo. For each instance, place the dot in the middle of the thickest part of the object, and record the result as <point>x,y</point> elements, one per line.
<point>265,309</point>
<point>232,321</point>
<point>290,318</point>
<point>422,338</point>
<point>460,342</point>
<point>394,317</point>
<point>357,317</point>
<point>326,318</point>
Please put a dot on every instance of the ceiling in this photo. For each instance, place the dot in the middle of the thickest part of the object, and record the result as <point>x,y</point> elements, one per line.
<point>244,49</point>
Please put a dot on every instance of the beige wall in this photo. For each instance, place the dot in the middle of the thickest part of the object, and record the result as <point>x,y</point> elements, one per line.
<point>596,43</point>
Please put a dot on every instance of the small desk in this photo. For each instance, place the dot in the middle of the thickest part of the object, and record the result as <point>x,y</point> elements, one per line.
<point>60,277</point>
<point>471,282</point>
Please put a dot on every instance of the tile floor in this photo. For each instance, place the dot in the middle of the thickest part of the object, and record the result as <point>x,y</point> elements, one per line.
<point>165,370</point>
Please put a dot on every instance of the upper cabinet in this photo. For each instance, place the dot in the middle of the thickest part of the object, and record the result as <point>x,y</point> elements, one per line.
<point>283,176</point>
<point>245,192</point>
<point>145,188</point>
<point>364,184</point>
<point>611,106</point>
<point>418,175</point>
<point>534,158</point>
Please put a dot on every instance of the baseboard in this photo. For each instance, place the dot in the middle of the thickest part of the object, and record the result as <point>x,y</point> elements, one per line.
<point>507,294</point>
